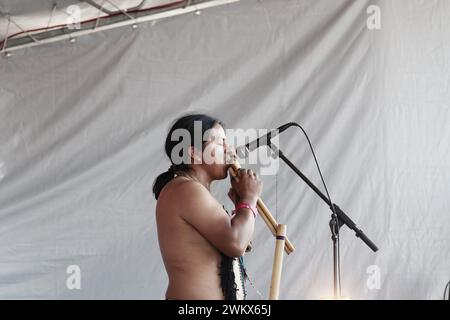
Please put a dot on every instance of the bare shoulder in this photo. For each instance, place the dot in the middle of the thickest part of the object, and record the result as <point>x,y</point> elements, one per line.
<point>187,203</point>
<point>181,195</point>
<point>191,201</point>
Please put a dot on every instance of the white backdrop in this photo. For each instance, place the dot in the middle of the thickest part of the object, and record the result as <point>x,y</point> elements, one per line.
<point>82,129</point>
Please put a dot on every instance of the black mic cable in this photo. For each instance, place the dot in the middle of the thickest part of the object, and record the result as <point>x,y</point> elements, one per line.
<point>335,229</point>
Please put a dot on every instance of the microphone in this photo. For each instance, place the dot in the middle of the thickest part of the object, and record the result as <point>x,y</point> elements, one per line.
<point>243,151</point>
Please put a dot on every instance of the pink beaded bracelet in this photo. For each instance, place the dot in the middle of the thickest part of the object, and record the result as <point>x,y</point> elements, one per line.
<point>246,206</point>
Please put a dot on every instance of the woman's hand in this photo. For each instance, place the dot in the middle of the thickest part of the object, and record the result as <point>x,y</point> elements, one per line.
<point>246,186</point>
<point>234,197</point>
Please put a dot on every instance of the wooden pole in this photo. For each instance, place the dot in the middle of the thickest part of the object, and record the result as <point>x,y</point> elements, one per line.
<point>277,262</point>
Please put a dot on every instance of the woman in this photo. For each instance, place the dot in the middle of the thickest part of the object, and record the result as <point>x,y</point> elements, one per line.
<point>199,242</point>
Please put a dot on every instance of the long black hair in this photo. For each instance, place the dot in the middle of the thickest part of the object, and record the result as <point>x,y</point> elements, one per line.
<point>187,123</point>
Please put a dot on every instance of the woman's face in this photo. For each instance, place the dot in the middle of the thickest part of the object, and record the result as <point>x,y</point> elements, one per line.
<point>216,151</point>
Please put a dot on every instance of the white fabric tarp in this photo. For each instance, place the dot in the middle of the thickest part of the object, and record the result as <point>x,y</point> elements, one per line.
<point>82,128</point>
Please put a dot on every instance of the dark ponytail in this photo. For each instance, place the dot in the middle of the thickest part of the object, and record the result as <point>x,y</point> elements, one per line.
<point>187,123</point>
<point>163,179</point>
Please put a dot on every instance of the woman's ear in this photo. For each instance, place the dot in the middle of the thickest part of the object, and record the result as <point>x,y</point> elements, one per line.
<point>194,155</point>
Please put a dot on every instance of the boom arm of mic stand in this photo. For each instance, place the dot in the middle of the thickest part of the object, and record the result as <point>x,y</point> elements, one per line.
<point>342,217</point>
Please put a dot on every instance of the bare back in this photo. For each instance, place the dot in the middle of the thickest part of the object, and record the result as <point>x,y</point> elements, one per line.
<point>191,261</point>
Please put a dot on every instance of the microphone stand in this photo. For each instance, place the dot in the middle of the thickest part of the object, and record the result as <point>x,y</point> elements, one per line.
<point>338,219</point>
